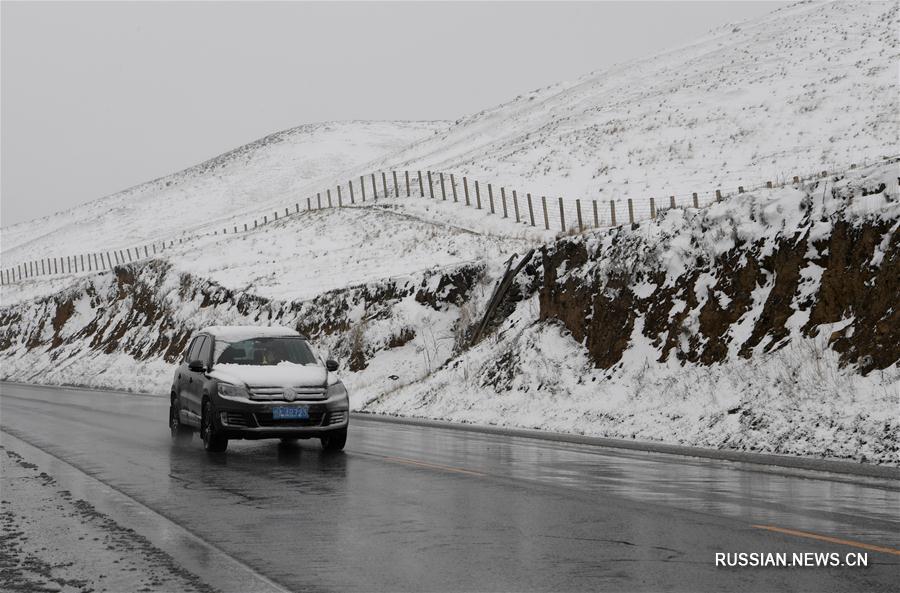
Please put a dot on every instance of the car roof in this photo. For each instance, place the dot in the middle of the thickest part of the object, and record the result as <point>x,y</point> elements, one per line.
<point>235,333</point>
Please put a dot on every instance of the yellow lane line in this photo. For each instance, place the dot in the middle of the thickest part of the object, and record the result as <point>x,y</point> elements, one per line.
<point>446,468</point>
<point>833,540</point>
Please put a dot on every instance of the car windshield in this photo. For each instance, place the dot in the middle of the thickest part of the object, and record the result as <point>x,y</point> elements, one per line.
<point>267,351</point>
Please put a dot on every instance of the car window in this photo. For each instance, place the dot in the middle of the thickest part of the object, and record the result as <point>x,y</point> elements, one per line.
<point>267,351</point>
<point>205,350</point>
<point>194,352</point>
<point>187,351</point>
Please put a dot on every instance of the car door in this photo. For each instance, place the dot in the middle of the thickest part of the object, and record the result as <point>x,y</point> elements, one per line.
<point>192,381</point>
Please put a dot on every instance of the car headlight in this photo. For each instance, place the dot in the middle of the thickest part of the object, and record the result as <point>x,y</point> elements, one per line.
<point>337,390</point>
<point>230,390</point>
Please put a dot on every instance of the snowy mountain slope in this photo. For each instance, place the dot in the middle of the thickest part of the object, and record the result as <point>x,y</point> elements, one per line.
<point>807,88</point>
<point>306,254</point>
<point>273,170</point>
<point>766,323</point>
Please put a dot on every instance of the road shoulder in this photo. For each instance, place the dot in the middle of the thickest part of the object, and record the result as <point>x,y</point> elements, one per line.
<point>66,531</point>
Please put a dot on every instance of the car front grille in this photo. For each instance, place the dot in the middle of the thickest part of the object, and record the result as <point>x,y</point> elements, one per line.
<point>336,417</point>
<point>276,393</point>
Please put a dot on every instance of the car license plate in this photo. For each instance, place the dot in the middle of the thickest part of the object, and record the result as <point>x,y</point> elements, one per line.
<point>295,413</point>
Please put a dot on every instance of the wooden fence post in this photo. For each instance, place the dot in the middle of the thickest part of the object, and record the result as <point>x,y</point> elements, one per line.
<point>466,190</point>
<point>340,198</point>
<point>328,195</point>
<point>453,186</point>
<point>516,205</point>
<point>430,185</point>
<point>546,220</point>
<point>671,201</point>
<point>530,209</point>
<point>407,184</point>
<point>396,185</point>
<point>384,184</point>
<point>596,214</point>
<point>374,188</point>
<point>477,196</point>
<point>491,197</point>
<point>562,215</point>
<point>350,187</point>
<point>443,189</point>
<point>612,212</point>
<point>578,210</point>
<point>362,187</point>
<point>696,202</point>
<point>318,201</point>
<point>630,211</point>
<point>503,201</point>
<point>740,189</point>
<point>114,253</point>
<point>718,195</point>
<point>296,211</point>
<point>421,187</point>
<point>652,208</point>
<point>276,215</point>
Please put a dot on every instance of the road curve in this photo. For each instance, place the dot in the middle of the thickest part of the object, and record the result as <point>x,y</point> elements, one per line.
<point>414,508</point>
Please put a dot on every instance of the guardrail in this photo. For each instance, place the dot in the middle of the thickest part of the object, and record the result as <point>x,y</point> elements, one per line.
<point>534,211</point>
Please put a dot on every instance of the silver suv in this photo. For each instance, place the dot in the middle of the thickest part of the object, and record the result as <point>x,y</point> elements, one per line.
<point>237,382</point>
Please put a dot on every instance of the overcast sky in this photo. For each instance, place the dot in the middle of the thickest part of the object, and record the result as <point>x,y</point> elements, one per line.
<point>97,97</point>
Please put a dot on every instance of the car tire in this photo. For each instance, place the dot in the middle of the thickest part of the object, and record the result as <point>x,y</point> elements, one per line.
<point>212,440</point>
<point>181,434</point>
<point>334,440</point>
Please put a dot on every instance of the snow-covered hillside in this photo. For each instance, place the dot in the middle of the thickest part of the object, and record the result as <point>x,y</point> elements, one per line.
<point>767,322</point>
<point>764,322</point>
<point>274,170</point>
<point>807,88</point>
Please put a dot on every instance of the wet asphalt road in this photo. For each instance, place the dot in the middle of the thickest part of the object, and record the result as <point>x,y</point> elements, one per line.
<point>408,508</point>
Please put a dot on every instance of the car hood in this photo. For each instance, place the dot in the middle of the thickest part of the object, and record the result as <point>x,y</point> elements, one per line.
<point>284,374</point>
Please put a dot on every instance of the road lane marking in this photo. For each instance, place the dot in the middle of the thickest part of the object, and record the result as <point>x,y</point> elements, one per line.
<point>833,540</point>
<point>425,464</point>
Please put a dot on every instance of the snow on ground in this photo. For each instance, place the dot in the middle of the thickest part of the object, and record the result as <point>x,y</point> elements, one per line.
<point>275,170</point>
<point>300,257</point>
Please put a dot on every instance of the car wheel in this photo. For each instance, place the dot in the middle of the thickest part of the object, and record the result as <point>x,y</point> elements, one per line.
<point>180,433</point>
<point>335,440</point>
<point>212,440</point>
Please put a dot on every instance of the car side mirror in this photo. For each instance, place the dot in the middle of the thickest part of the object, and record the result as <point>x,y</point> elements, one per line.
<point>331,365</point>
<point>197,366</point>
